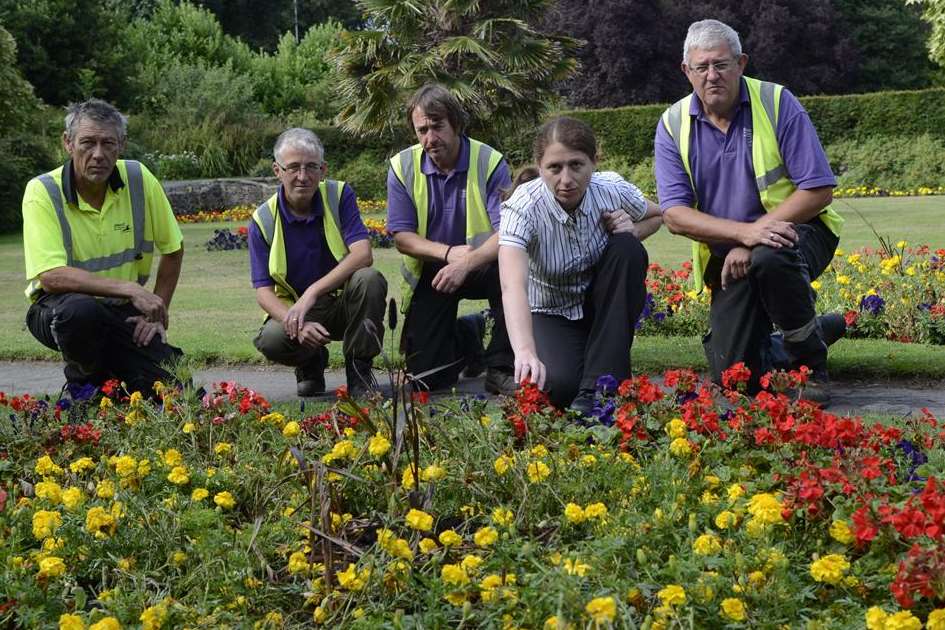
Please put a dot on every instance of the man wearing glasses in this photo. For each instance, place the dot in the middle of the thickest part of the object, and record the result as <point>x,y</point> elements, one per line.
<point>740,170</point>
<point>310,262</point>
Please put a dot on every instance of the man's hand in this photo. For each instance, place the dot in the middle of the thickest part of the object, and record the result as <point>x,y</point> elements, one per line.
<point>768,231</point>
<point>528,366</point>
<point>453,275</point>
<point>150,306</point>
<point>313,335</point>
<point>294,320</point>
<point>145,331</point>
<point>736,265</point>
<point>619,222</point>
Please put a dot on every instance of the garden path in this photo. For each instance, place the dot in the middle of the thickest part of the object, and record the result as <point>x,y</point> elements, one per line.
<point>888,398</point>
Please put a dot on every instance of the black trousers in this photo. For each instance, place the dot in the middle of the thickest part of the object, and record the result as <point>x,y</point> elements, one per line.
<point>96,341</point>
<point>776,292</point>
<point>577,352</point>
<point>432,336</point>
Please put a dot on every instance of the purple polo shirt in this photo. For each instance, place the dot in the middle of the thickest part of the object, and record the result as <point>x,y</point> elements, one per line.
<point>721,162</point>
<point>307,255</point>
<point>447,193</point>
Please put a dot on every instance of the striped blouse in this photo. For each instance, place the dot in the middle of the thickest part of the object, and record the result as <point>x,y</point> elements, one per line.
<point>563,248</point>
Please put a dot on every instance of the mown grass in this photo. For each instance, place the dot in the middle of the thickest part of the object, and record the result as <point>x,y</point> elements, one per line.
<point>214,315</point>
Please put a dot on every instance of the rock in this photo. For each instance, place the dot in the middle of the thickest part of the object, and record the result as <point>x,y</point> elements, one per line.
<point>190,196</point>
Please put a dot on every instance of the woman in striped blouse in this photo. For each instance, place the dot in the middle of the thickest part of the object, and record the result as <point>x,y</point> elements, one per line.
<point>572,267</point>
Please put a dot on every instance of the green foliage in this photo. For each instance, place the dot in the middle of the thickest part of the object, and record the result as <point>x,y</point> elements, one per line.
<point>500,68</point>
<point>367,176</point>
<point>933,12</point>
<point>890,162</point>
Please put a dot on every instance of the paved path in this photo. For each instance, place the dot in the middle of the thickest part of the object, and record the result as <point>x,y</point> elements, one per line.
<point>278,384</point>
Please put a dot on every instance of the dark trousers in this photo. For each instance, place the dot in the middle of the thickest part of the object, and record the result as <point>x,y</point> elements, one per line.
<point>96,341</point>
<point>776,292</point>
<point>577,352</point>
<point>432,336</point>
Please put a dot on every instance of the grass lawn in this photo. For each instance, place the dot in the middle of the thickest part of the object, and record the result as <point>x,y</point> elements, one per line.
<point>214,315</point>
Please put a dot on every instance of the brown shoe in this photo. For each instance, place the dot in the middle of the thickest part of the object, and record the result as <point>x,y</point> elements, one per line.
<point>500,382</point>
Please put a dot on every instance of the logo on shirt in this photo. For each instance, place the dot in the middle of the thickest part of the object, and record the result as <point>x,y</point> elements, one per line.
<point>122,227</point>
<point>747,132</point>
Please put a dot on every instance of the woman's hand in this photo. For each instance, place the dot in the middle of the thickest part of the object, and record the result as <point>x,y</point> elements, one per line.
<point>528,366</point>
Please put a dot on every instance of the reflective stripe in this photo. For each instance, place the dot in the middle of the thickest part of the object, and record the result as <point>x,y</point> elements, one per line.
<point>55,194</point>
<point>136,192</point>
<point>331,187</point>
<point>406,170</point>
<point>267,224</point>
<point>103,263</point>
<point>802,333</point>
<point>674,119</point>
<point>408,275</point>
<point>485,154</point>
<point>770,177</point>
<point>767,100</point>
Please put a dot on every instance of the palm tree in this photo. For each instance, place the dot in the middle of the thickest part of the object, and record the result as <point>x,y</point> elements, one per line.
<point>484,51</point>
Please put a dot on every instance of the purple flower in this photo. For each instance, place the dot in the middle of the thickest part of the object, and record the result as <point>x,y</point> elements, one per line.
<point>604,412</point>
<point>606,384</point>
<point>872,304</point>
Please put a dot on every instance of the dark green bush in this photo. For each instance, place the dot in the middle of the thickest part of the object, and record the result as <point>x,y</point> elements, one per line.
<point>891,162</point>
<point>366,174</point>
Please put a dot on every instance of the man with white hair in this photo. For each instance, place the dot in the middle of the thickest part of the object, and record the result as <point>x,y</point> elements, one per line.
<point>741,171</point>
<point>310,262</point>
<point>90,228</point>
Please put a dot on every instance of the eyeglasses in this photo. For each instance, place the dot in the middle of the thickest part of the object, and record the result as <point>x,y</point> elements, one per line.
<point>720,66</point>
<point>295,168</point>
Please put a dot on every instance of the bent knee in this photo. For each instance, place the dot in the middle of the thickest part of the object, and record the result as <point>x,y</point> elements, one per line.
<point>626,248</point>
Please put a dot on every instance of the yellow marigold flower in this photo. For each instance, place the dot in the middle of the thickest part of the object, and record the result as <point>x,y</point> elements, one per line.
<point>171,457</point>
<point>765,507</point>
<point>876,618</point>
<point>735,491</point>
<point>756,578</point>
<point>449,538</point>
<point>353,580</point>
<point>602,609</point>
<point>52,544</point>
<point>179,475</point>
<point>428,545</point>
<point>707,545</point>
<point>378,445</point>
<point>274,418</point>
<point>502,517</point>
<point>574,513</point>
<point>49,490</point>
<point>178,558</point>
<point>733,609</point>
<point>82,464</point>
<point>46,467</point>
<point>485,536</point>
<point>485,421</point>
<point>400,548</point>
<point>45,524</point>
<point>675,428</point>
<point>343,449</point>
<point>419,520</point>
<point>471,563</point>
<point>841,532</point>
<point>936,620</point>
<point>407,480</point>
<point>125,465</point>
<point>188,427</point>
<point>708,498</point>
<point>457,598</point>
<point>539,451</point>
<point>222,448</point>
<point>554,623</point>
<point>72,498</point>
<point>99,522</point>
<point>298,563</point>
<point>144,467</point>
<point>576,567</point>
<point>725,519</point>
<point>291,429</point>
<point>105,489</point>
<point>902,620</point>
<point>537,471</point>
<point>153,617</point>
<point>595,510</point>
<point>454,574</point>
<point>71,622</point>
<point>225,500</point>
<point>433,472</point>
<point>199,494</point>
<point>830,569</point>
<point>502,464</point>
<point>816,285</point>
<point>672,595</point>
<point>108,623</point>
<point>680,447</point>
<point>588,460</point>
<point>51,566</point>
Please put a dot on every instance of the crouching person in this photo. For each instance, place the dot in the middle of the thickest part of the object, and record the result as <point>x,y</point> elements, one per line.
<point>310,261</point>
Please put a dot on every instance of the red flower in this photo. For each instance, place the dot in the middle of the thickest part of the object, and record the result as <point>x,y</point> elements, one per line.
<point>851,317</point>
<point>736,376</point>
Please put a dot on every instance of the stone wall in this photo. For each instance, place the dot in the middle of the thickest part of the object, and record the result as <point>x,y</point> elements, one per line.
<point>189,196</point>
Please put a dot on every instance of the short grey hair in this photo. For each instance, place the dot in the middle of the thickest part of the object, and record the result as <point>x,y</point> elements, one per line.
<point>98,110</point>
<point>300,139</point>
<point>706,34</point>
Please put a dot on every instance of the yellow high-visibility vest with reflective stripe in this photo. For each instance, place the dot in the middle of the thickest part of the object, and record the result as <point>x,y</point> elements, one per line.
<point>771,178</point>
<point>483,160</point>
<point>268,219</point>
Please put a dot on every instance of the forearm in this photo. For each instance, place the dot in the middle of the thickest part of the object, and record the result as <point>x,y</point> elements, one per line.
<point>485,254</point>
<point>702,227</point>
<point>412,244</point>
<point>358,257</point>
<point>651,221</point>
<point>74,280</point>
<point>268,301</point>
<point>168,274</point>
<point>513,273</point>
<point>802,206</point>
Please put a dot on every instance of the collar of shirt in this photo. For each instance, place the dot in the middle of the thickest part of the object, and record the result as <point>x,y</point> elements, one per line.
<point>317,210</point>
<point>559,213</point>
<point>68,182</point>
<point>695,105</point>
<point>427,167</point>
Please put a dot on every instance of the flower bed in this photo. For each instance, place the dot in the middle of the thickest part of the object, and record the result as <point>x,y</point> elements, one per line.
<point>675,507</point>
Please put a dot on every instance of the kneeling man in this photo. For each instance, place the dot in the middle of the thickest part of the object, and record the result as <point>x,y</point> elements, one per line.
<point>310,261</point>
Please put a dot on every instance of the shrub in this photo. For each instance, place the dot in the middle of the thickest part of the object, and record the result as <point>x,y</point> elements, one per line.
<point>367,175</point>
<point>891,162</point>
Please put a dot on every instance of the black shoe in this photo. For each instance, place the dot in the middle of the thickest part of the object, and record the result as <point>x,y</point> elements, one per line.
<point>310,378</point>
<point>500,382</point>
<point>360,377</point>
<point>583,404</point>
<point>832,327</point>
<point>472,329</point>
